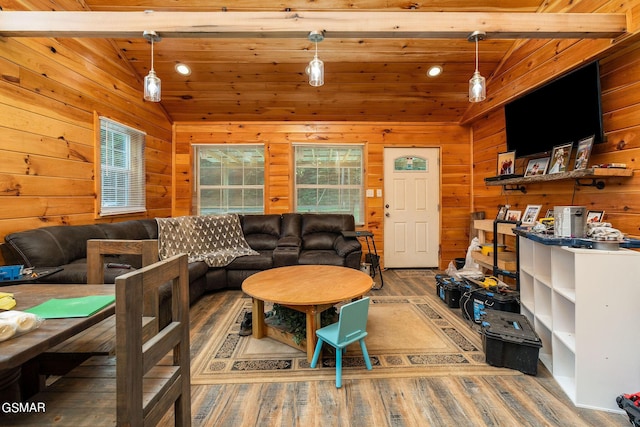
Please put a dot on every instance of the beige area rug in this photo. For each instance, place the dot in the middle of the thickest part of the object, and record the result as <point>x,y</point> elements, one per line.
<point>408,336</point>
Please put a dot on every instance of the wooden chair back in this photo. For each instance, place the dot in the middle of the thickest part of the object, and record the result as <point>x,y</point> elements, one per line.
<point>141,380</point>
<point>97,249</point>
<point>150,379</point>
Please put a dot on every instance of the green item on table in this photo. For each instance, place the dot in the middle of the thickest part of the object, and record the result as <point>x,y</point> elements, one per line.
<point>60,308</point>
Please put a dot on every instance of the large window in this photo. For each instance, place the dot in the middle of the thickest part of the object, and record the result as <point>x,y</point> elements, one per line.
<point>329,179</point>
<point>122,177</point>
<point>230,179</point>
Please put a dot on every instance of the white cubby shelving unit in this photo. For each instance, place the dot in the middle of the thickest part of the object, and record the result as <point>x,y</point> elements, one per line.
<point>583,304</point>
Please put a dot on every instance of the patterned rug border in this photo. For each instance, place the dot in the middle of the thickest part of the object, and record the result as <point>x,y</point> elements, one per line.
<point>216,362</point>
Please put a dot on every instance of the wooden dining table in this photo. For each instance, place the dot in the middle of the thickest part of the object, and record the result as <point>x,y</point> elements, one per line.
<point>19,350</point>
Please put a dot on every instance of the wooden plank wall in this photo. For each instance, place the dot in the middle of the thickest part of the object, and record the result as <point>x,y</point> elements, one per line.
<point>620,199</point>
<point>50,90</point>
<point>453,141</point>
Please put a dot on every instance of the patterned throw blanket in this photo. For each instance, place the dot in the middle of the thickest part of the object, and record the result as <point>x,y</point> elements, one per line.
<point>214,239</point>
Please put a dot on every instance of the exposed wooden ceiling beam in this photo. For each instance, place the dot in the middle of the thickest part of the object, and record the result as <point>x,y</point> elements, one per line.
<point>444,25</point>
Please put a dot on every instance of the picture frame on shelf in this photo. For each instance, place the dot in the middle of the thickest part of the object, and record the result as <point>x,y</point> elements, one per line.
<point>583,152</point>
<point>502,212</point>
<point>537,166</point>
<point>560,158</point>
<point>550,213</point>
<point>594,216</point>
<point>513,215</point>
<point>507,163</point>
<point>531,214</point>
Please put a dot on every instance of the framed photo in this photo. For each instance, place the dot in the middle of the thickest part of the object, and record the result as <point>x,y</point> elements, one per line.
<point>560,158</point>
<point>513,215</point>
<point>506,163</point>
<point>583,152</point>
<point>502,212</point>
<point>537,167</point>
<point>531,214</point>
<point>595,216</point>
<point>550,213</point>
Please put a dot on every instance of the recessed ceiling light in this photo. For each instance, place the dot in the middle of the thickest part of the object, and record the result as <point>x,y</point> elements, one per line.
<point>434,71</point>
<point>183,69</point>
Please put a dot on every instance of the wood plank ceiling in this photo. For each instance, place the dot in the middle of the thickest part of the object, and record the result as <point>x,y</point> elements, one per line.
<point>244,79</point>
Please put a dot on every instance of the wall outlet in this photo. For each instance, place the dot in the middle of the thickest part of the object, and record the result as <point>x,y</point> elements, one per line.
<point>379,192</point>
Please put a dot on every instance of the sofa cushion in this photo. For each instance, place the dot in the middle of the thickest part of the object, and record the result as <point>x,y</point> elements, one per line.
<point>343,246</point>
<point>291,224</point>
<point>131,230</point>
<point>323,243</point>
<point>53,246</point>
<point>128,230</point>
<point>320,257</point>
<point>264,261</point>
<point>261,231</point>
<point>320,231</point>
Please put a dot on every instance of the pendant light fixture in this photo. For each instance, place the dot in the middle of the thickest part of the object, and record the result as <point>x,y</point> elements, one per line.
<point>152,83</point>
<point>315,69</point>
<point>477,83</point>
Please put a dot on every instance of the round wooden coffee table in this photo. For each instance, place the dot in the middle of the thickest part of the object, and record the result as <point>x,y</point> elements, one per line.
<point>310,289</point>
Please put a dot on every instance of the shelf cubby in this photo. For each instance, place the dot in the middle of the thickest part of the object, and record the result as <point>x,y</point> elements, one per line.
<point>580,297</point>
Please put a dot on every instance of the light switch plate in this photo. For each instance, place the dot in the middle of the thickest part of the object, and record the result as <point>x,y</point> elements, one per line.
<point>379,192</point>
<point>370,192</point>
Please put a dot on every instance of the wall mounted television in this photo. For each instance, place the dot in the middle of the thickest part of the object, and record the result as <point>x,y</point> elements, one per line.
<point>565,110</point>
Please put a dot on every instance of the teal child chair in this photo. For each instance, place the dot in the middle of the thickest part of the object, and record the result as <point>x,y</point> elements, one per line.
<point>351,327</point>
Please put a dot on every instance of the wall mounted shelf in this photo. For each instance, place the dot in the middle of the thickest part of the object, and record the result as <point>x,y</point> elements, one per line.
<point>596,175</point>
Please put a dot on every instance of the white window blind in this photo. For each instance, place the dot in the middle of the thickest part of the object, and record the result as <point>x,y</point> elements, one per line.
<point>122,169</point>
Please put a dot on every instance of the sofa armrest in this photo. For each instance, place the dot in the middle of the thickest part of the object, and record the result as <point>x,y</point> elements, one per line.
<point>286,255</point>
<point>344,246</point>
<point>289,242</point>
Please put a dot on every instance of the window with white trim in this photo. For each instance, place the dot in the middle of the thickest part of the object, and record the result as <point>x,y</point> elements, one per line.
<point>229,179</point>
<point>329,178</point>
<point>122,170</point>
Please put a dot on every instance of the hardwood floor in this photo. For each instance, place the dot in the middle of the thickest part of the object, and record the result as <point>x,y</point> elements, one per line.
<point>521,400</point>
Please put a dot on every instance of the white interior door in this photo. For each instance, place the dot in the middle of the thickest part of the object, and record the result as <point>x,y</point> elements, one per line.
<point>411,207</point>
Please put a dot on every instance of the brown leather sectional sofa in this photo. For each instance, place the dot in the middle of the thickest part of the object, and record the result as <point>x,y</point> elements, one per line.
<point>281,240</point>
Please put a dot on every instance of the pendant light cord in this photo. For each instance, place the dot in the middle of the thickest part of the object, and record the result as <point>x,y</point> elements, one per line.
<point>152,55</point>
<point>476,54</point>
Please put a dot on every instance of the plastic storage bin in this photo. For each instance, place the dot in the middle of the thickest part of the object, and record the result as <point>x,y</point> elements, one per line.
<point>448,290</point>
<point>508,340</point>
<point>475,302</point>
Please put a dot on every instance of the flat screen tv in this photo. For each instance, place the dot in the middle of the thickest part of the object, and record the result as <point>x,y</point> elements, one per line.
<point>565,110</point>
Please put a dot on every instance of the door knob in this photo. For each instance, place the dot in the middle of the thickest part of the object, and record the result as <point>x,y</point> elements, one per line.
<point>387,215</point>
<point>387,206</point>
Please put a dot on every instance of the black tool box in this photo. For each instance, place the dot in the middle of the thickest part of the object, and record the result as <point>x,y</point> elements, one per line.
<point>630,403</point>
<point>508,340</point>
<point>448,290</point>
<point>476,301</point>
